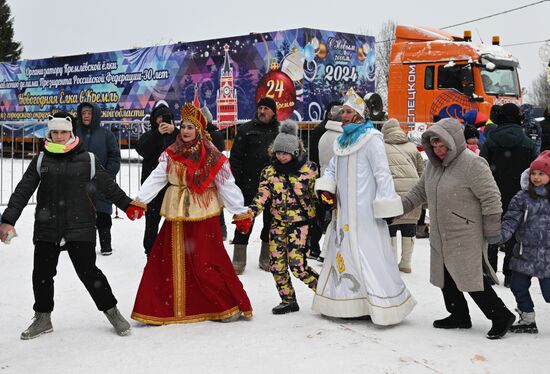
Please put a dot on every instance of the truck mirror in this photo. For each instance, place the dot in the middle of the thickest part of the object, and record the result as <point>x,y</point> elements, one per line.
<point>490,66</point>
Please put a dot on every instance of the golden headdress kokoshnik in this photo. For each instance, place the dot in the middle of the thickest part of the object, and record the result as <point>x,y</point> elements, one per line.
<point>199,159</point>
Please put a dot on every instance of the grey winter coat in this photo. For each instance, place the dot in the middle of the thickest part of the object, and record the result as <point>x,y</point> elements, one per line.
<point>465,209</point>
<point>326,143</point>
<point>529,220</point>
<point>102,143</point>
<point>406,166</point>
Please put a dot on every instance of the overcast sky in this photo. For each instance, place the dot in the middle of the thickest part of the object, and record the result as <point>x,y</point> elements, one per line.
<point>67,27</point>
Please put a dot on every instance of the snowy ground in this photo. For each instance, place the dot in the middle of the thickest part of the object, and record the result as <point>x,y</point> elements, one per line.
<point>302,342</point>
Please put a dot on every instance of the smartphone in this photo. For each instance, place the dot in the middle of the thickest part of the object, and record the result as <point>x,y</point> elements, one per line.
<point>167,118</point>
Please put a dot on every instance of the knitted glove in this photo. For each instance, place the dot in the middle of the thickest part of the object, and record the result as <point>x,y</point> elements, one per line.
<point>135,210</point>
<point>243,222</point>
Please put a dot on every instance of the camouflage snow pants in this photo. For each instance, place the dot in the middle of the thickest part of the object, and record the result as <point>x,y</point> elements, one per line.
<point>287,248</point>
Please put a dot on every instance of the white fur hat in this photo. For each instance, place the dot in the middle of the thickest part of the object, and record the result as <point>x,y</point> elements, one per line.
<point>60,124</point>
<point>355,102</point>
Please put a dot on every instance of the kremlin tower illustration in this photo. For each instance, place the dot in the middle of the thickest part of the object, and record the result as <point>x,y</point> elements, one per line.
<point>226,97</point>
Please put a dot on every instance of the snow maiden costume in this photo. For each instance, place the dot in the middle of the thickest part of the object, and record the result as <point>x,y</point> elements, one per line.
<point>360,275</point>
<point>189,276</point>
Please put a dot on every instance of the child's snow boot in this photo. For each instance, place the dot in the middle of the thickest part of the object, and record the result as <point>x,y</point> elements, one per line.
<point>41,324</point>
<point>526,323</point>
<point>284,308</point>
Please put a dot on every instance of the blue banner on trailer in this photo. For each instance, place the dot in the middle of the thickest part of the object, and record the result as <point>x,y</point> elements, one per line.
<point>302,69</point>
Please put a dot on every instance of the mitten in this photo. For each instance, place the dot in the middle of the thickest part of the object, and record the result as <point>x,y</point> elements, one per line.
<point>135,210</point>
<point>243,222</point>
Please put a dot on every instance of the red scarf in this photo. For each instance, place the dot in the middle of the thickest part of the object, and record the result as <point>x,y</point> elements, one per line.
<point>201,158</point>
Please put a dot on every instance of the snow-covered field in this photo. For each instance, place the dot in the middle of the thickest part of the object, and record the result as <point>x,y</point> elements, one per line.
<point>304,342</point>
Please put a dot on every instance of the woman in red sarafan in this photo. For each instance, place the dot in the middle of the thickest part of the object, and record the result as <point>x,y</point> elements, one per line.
<point>189,276</point>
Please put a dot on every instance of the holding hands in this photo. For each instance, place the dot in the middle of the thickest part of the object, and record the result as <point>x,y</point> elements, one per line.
<point>135,210</point>
<point>328,199</point>
<point>243,222</point>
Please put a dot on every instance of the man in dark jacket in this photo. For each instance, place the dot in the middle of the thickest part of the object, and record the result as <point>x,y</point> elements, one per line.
<point>509,152</point>
<point>219,141</point>
<point>249,155</point>
<point>150,146</point>
<point>102,143</point>
<point>545,130</point>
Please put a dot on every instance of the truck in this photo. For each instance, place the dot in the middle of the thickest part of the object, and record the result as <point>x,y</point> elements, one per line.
<point>434,74</point>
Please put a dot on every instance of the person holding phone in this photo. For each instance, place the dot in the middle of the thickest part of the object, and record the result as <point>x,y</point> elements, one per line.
<point>152,143</point>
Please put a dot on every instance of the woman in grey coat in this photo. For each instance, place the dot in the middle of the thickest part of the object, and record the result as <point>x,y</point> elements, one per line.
<point>464,204</point>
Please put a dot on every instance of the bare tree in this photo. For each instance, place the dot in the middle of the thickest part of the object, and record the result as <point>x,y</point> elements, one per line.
<point>540,89</point>
<point>385,40</point>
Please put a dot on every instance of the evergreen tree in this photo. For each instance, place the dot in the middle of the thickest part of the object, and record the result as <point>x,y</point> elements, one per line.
<point>9,49</point>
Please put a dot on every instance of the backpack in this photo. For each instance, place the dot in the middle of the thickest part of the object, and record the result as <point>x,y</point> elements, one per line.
<point>92,164</point>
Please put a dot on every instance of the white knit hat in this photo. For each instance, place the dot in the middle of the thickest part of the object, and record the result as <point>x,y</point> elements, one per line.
<point>60,124</point>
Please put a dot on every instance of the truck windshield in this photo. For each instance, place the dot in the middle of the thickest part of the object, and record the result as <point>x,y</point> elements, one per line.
<point>502,81</point>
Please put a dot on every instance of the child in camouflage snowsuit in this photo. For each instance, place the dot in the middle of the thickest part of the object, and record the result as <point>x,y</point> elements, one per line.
<point>528,217</point>
<point>289,184</point>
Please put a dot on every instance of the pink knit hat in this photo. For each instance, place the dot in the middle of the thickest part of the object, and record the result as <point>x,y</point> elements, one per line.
<point>542,163</point>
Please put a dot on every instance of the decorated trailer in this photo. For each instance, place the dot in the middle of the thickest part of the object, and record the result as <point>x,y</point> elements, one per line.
<point>302,69</point>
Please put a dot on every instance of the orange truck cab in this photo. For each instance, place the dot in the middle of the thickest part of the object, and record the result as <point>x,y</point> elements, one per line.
<point>434,74</point>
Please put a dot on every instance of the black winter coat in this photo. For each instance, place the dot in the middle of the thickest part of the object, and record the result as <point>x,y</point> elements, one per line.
<point>217,137</point>
<point>103,144</point>
<point>151,145</point>
<point>249,153</point>
<point>509,152</point>
<point>545,129</point>
<point>64,201</point>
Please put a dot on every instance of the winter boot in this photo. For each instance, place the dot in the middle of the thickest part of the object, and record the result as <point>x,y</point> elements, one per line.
<point>233,318</point>
<point>264,257</point>
<point>407,245</point>
<point>526,323</point>
<point>394,247</point>
<point>41,324</point>
<point>453,322</point>
<point>120,324</point>
<point>501,326</point>
<point>105,241</point>
<point>239,258</point>
<point>284,308</point>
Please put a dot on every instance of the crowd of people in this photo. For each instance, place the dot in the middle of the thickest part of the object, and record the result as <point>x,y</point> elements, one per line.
<point>359,187</point>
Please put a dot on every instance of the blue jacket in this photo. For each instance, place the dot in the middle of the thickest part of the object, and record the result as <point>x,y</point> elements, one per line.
<point>102,143</point>
<point>529,220</point>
